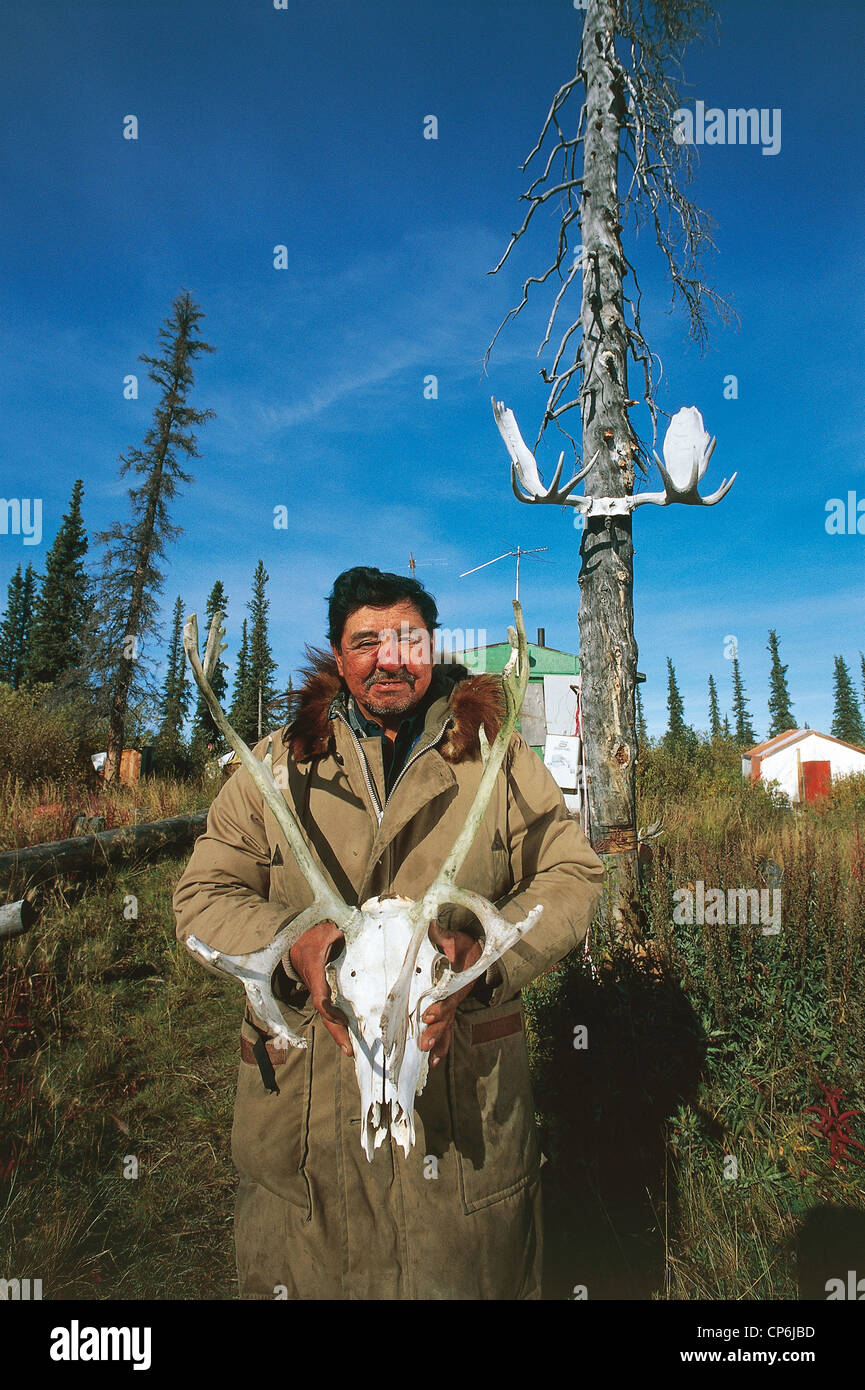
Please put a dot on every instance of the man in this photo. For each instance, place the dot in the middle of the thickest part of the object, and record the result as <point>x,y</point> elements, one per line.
<point>380,766</point>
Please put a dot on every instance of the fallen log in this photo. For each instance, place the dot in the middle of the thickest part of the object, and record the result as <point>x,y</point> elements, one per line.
<point>16,917</point>
<point>36,863</point>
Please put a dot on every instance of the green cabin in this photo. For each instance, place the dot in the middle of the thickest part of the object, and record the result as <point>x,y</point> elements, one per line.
<point>537,718</point>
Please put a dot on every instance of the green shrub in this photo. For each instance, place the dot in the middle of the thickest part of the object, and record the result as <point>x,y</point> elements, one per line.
<point>41,744</point>
<point>706,790</point>
<point>848,795</point>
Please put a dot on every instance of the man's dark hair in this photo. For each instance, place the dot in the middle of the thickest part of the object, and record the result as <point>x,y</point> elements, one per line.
<point>363,586</point>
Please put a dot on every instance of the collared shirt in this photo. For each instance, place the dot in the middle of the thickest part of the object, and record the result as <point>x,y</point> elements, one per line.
<point>394,753</point>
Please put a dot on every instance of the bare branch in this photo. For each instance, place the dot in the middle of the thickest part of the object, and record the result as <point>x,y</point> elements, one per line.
<point>655,33</point>
<point>558,100</point>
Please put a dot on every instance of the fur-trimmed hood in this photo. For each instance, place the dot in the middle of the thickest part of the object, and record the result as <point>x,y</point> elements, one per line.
<point>472,701</point>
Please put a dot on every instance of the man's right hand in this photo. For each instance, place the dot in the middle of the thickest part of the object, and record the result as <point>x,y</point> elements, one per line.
<point>308,957</point>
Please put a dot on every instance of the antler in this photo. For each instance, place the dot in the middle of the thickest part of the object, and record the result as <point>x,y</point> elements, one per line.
<point>644,834</point>
<point>255,970</point>
<point>499,934</point>
<point>685,490</point>
<point>515,678</point>
<point>687,450</point>
<point>524,465</point>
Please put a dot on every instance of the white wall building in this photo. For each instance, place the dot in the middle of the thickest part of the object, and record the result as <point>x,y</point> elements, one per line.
<point>803,762</point>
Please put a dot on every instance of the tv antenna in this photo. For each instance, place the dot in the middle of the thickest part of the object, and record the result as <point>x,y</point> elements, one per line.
<point>412,563</point>
<point>518,552</point>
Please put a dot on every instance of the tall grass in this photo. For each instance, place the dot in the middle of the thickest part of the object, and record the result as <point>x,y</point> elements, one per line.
<point>125,1059</point>
<point>682,1162</point>
<point>35,813</point>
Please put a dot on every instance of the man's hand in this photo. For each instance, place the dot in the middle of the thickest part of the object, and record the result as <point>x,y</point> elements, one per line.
<point>308,957</point>
<point>462,951</point>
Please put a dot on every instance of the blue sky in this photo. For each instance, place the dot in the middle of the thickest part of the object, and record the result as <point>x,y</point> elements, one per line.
<point>304,127</point>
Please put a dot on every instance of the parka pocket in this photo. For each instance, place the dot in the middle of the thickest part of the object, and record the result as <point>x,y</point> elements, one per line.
<point>492,1105</point>
<point>269,1136</point>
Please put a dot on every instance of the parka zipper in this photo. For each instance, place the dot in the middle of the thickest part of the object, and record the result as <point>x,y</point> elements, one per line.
<point>373,794</point>
<point>365,770</point>
<point>413,757</point>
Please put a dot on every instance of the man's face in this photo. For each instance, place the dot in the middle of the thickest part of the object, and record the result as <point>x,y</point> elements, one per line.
<point>385,659</point>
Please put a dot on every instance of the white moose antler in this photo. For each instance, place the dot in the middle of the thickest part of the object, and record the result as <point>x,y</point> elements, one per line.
<point>524,465</point>
<point>389,972</point>
<point>687,450</point>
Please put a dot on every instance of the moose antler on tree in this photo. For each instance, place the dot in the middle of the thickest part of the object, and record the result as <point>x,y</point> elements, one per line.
<point>389,972</point>
<point>687,450</point>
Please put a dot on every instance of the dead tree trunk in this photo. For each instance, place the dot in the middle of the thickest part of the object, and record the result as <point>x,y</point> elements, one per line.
<point>38,863</point>
<point>608,649</point>
<point>628,113</point>
<point>16,918</point>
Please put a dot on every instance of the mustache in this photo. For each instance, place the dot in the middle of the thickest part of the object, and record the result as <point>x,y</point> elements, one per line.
<point>401,675</point>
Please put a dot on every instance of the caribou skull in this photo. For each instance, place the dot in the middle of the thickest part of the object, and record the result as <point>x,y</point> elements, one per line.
<point>687,450</point>
<point>389,973</point>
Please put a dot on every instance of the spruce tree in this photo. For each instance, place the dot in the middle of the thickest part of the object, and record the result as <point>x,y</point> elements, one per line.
<point>744,728</point>
<point>16,629</point>
<point>204,731</point>
<point>10,630</point>
<point>726,726</point>
<point>642,731</point>
<point>243,715</point>
<point>862,661</point>
<point>28,605</point>
<point>132,578</point>
<point>63,606</point>
<point>847,720</point>
<point>780,711</point>
<point>261,663</point>
<point>676,737</point>
<point>715,727</point>
<point>174,704</point>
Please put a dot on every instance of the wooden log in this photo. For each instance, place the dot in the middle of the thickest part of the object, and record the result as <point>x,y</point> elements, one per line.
<point>41,862</point>
<point>16,917</point>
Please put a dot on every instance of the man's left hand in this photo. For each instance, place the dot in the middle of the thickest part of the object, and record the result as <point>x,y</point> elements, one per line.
<point>462,951</point>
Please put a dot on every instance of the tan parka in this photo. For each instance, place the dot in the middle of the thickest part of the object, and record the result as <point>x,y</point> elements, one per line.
<point>460,1217</point>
